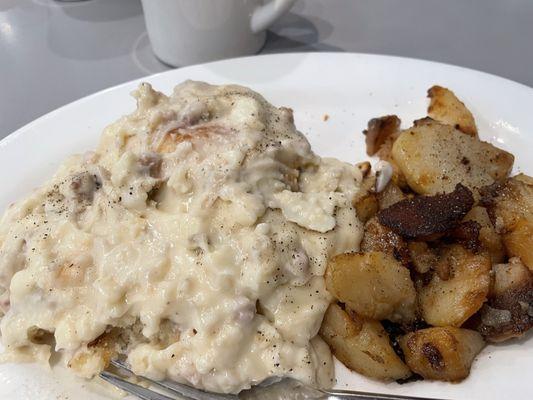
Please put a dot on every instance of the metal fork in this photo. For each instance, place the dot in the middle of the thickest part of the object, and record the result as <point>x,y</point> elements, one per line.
<point>273,391</point>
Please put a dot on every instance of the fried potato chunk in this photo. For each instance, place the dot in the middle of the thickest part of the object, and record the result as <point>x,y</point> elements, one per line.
<point>511,206</point>
<point>380,131</point>
<point>488,237</point>
<point>519,242</point>
<point>422,257</point>
<point>380,135</point>
<point>510,276</point>
<point>509,312</point>
<point>365,201</point>
<point>361,345</point>
<point>372,284</point>
<point>444,354</point>
<point>445,107</point>
<point>434,158</point>
<point>390,195</point>
<point>366,207</point>
<point>452,301</point>
<point>378,237</point>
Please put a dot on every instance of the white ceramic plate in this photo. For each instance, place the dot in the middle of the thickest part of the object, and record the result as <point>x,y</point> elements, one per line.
<point>351,89</point>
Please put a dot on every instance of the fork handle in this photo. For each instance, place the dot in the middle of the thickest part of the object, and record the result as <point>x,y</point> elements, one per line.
<point>352,395</point>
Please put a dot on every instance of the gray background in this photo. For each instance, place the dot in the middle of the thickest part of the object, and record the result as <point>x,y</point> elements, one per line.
<point>52,53</point>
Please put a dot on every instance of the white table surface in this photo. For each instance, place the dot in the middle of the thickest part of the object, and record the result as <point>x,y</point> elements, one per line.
<point>52,53</point>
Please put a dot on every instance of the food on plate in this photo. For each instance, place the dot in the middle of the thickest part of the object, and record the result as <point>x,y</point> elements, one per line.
<point>435,157</point>
<point>372,284</point>
<point>445,263</point>
<point>459,290</point>
<point>193,241</point>
<point>488,237</point>
<point>422,257</point>
<point>444,354</point>
<point>379,238</point>
<point>366,207</point>
<point>203,241</point>
<point>362,345</point>
<point>379,136</point>
<point>508,312</point>
<point>446,108</point>
<point>511,207</point>
<point>390,195</point>
<point>423,216</point>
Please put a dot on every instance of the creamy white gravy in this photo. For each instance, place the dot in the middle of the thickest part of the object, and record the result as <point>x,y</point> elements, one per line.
<point>193,240</point>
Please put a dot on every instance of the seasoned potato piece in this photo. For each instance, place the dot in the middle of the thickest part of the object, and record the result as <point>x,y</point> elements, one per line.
<point>422,257</point>
<point>366,207</point>
<point>380,238</point>
<point>390,195</point>
<point>511,206</point>
<point>366,188</point>
<point>510,276</point>
<point>444,354</point>
<point>451,302</point>
<point>519,242</point>
<point>365,201</point>
<point>434,158</point>
<point>361,345</point>
<point>372,284</point>
<point>379,137</point>
<point>397,176</point>
<point>368,184</point>
<point>509,312</point>
<point>380,131</point>
<point>445,107</point>
<point>490,240</point>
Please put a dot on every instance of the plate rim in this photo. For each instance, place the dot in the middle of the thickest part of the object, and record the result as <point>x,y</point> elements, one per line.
<point>29,130</point>
<point>26,127</point>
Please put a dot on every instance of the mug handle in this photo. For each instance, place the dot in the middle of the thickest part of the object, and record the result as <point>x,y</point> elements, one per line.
<point>267,14</point>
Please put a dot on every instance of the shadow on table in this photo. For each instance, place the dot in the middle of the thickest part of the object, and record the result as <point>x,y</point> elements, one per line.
<point>292,33</point>
<point>296,33</point>
<point>102,10</point>
<point>88,30</point>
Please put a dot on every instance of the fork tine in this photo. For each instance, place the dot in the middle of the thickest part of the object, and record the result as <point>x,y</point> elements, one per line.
<point>178,388</point>
<point>136,390</point>
<point>121,365</point>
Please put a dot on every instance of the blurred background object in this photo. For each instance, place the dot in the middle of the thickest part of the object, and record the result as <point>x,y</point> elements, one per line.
<point>184,32</point>
<point>53,52</point>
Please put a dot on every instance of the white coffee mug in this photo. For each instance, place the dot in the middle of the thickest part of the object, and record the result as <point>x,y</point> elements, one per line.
<point>184,32</point>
